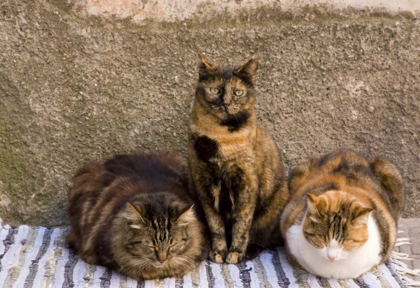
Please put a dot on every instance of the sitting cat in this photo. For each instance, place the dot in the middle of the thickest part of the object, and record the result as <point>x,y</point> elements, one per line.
<point>236,168</point>
<point>133,214</point>
<point>343,213</point>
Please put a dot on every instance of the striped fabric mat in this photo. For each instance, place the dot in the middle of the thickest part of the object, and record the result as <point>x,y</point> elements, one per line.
<point>38,257</point>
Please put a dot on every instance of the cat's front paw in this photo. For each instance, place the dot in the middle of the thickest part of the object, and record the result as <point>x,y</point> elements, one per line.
<point>234,257</point>
<point>217,256</point>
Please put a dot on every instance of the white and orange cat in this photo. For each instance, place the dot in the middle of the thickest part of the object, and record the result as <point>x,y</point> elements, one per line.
<point>342,216</point>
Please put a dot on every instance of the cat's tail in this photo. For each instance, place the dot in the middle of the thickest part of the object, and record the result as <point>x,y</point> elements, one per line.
<point>391,180</point>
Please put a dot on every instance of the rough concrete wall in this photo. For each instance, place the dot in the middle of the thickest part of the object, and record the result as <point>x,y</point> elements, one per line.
<point>72,90</point>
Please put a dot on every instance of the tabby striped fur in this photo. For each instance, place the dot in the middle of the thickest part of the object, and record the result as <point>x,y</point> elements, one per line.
<point>133,214</point>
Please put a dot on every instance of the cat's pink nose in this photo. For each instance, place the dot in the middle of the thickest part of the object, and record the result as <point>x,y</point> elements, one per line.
<point>162,255</point>
<point>332,257</point>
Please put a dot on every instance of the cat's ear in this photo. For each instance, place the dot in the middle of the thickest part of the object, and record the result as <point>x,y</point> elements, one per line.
<point>134,216</point>
<point>206,65</point>
<point>312,203</point>
<point>187,215</point>
<point>248,70</point>
<point>361,215</point>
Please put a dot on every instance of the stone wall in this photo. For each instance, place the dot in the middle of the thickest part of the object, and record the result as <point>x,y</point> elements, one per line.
<point>79,84</point>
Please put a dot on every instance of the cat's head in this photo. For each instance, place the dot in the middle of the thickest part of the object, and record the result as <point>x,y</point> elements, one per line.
<point>227,92</point>
<point>336,224</point>
<point>154,241</point>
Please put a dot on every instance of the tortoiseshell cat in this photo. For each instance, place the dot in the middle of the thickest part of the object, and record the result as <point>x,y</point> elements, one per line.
<point>236,169</point>
<point>342,216</point>
<point>133,214</point>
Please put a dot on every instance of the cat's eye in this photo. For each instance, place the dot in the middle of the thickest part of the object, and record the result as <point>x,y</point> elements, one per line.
<point>177,247</point>
<point>173,243</point>
<point>214,90</point>
<point>142,243</point>
<point>239,92</point>
<point>352,241</point>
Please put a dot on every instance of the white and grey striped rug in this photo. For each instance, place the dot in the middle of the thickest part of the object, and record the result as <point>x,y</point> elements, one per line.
<point>38,257</point>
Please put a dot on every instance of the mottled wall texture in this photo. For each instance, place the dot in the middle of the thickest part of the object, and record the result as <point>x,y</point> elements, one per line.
<point>79,82</point>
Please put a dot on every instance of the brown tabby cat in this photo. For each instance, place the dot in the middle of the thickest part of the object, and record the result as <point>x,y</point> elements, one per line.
<point>343,213</point>
<point>133,214</point>
<point>235,166</point>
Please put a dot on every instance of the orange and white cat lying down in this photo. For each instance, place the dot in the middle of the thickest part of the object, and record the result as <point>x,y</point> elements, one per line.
<point>342,216</point>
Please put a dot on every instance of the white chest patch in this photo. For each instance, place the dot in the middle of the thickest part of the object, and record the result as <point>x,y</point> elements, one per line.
<point>326,262</point>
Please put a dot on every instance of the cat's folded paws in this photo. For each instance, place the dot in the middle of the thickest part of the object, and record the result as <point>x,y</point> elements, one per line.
<point>234,257</point>
<point>217,256</point>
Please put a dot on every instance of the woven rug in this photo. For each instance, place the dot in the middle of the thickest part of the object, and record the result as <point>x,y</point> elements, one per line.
<point>38,257</point>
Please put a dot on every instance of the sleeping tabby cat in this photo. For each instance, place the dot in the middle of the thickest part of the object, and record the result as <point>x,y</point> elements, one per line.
<point>133,214</point>
<point>343,213</point>
<point>236,169</point>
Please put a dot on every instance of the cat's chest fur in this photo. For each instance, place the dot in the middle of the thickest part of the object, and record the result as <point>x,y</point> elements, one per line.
<point>220,146</point>
<point>357,262</point>
<point>223,162</point>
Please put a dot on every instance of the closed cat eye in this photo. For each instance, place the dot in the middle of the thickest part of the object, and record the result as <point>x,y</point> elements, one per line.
<point>175,248</point>
<point>140,243</point>
<point>173,243</point>
<point>239,92</point>
<point>214,90</point>
<point>353,241</point>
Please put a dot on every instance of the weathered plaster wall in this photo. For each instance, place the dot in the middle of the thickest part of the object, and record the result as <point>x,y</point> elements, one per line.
<point>146,11</point>
<point>76,86</point>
